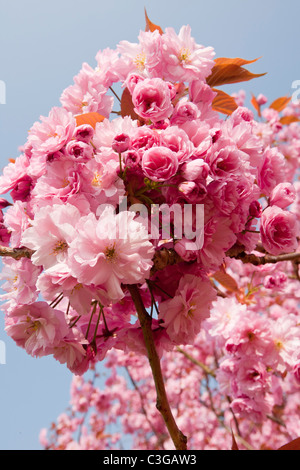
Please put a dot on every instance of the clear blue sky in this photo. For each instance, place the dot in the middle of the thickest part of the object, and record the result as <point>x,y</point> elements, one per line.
<point>42,46</point>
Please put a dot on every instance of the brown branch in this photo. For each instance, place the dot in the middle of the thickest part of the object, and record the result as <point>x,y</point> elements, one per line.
<point>266,259</point>
<point>164,257</point>
<point>206,369</point>
<point>16,253</point>
<point>162,403</point>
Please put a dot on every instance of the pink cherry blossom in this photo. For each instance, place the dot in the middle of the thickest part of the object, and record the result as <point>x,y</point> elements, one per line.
<point>111,250</point>
<point>159,163</point>
<point>183,314</point>
<point>279,230</point>
<point>152,99</point>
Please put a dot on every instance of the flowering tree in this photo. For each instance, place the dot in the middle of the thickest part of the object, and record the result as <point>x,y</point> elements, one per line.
<point>161,235</point>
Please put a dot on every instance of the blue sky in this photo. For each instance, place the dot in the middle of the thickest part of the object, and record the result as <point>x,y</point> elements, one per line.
<point>42,47</point>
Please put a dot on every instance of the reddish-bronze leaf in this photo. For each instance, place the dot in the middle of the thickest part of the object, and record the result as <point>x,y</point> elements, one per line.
<point>280,103</point>
<point>89,118</point>
<point>235,60</point>
<point>289,119</point>
<point>127,108</point>
<point>151,26</point>
<point>223,103</point>
<point>226,280</point>
<point>234,445</point>
<point>293,445</point>
<point>255,105</point>
<point>230,72</point>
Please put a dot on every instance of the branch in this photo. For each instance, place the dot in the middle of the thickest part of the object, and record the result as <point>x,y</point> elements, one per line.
<point>266,259</point>
<point>160,439</point>
<point>206,369</point>
<point>15,253</point>
<point>164,257</point>
<point>162,403</point>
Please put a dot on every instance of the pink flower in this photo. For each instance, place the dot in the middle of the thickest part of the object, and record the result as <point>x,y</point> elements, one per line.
<point>184,60</point>
<point>178,141</point>
<point>51,233</point>
<point>159,163</point>
<point>121,143</point>
<point>283,195</point>
<point>15,176</point>
<point>87,94</point>
<point>20,278</point>
<point>194,170</point>
<point>57,279</point>
<point>245,407</point>
<point>84,132</point>
<point>144,138</point>
<point>111,250</point>
<point>182,315</point>
<point>279,230</point>
<point>48,136</point>
<point>184,111</point>
<point>17,219</point>
<point>36,327</point>
<point>271,170</point>
<point>79,150</point>
<point>152,99</point>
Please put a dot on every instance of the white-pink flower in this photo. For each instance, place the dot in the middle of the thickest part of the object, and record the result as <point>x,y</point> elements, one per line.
<point>36,327</point>
<point>111,250</point>
<point>47,136</point>
<point>52,231</point>
<point>184,59</point>
<point>183,314</point>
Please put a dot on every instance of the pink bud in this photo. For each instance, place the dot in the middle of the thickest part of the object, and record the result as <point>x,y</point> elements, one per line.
<point>121,143</point>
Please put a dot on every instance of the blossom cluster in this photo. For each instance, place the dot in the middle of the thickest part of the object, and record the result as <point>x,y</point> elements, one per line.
<point>242,366</point>
<point>169,147</point>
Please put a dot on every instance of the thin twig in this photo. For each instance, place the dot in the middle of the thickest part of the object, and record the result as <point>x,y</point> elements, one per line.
<point>159,440</point>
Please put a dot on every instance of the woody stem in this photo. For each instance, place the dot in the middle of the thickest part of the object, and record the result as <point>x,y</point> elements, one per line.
<point>162,403</point>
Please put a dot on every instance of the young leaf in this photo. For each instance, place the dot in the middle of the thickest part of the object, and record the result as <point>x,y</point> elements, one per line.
<point>234,445</point>
<point>223,103</point>
<point>293,445</point>
<point>151,26</point>
<point>127,108</point>
<point>227,71</point>
<point>289,119</point>
<point>226,280</point>
<point>235,61</point>
<point>280,103</point>
<point>89,118</point>
<point>255,105</point>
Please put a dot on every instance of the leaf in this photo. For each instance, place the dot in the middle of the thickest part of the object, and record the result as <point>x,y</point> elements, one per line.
<point>289,119</point>
<point>234,445</point>
<point>236,61</point>
<point>293,445</point>
<point>226,280</point>
<point>127,108</point>
<point>255,105</point>
<point>89,118</point>
<point>280,103</point>
<point>151,26</point>
<point>228,71</point>
<point>223,103</point>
